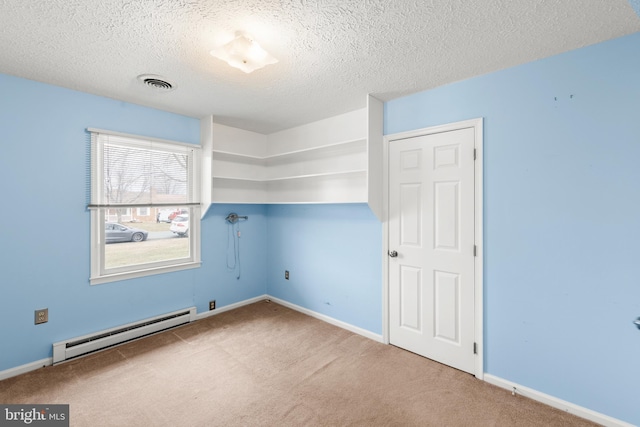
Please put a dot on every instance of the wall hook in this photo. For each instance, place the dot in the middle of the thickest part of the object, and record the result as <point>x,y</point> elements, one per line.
<point>233,217</point>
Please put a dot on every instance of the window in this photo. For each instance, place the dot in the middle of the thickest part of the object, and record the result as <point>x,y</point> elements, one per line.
<point>145,210</point>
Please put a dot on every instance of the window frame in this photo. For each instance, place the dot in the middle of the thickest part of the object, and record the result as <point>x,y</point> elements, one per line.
<point>100,274</point>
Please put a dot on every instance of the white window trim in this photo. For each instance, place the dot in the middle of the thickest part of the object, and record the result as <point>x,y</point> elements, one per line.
<point>98,275</point>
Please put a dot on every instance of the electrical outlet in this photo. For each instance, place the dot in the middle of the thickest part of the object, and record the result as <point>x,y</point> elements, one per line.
<point>286,274</point>
<point>41,316</point>
<point>212,305</point>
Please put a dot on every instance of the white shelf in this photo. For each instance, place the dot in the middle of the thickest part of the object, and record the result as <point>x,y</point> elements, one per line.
<point>238,191</point>
<point>318,175</point>
<point>221,153</point>
<point>335,188</point>
<point>343,144</point>
<point>238,178</point>
<point>328,161</point>
<point>287,178</point>
<point>354,143</point>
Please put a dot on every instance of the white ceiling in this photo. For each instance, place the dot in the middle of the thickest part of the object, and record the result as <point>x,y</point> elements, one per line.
<point>332,53</point>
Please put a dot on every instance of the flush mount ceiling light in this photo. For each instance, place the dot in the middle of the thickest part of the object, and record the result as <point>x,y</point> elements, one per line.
<point>156,82</point>
<point>244,53</point>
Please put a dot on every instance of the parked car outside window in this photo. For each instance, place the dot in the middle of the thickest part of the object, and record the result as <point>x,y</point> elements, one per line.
<point>115,232</point>
<point>180,225</point>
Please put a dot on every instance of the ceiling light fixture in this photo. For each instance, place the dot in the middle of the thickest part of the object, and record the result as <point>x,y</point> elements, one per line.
<point>244,53</point>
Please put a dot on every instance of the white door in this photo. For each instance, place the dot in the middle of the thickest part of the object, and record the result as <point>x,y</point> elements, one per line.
<point>431,230</point>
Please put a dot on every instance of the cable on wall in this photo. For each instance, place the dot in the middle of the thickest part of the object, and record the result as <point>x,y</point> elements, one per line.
<point>233,242</point>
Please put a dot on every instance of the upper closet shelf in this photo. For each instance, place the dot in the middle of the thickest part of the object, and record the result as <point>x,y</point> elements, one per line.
<point>354,143</point>
<point>286,178</point>
<point>334,160</point>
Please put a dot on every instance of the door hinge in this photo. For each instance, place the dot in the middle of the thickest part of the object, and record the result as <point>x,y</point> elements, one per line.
<point>475,348</point>
<point>475,250</point>
<point>474,154</point>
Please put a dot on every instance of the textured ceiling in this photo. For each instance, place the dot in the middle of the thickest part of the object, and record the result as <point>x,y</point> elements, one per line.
<point>332,53</point>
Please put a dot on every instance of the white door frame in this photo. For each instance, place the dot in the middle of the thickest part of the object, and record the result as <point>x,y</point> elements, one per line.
<point>478,222</point>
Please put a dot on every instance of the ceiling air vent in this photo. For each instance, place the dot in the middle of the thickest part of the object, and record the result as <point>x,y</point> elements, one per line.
<point>158,83</point>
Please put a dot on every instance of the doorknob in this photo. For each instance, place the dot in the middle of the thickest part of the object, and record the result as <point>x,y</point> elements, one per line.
<point>394,254</point>
<point>637,322</point>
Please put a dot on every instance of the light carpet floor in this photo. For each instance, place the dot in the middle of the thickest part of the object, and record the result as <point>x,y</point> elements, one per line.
<point>267,365</point>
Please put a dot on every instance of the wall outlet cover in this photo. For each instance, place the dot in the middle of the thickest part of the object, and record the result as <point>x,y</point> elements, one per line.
<point>41,316</point>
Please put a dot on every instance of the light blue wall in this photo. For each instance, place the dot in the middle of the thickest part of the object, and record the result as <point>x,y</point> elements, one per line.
<point>44,240</point>
<point>562,218</point>
<point>636,5</point>
<point>333,254</point>
<point>221,267</point>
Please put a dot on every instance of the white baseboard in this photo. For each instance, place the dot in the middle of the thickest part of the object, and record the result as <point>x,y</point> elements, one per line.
<point>229,307</point>
<point>325,318</point>
<point>23,369</point>
<point>328,319</point>
<point>571,408</point>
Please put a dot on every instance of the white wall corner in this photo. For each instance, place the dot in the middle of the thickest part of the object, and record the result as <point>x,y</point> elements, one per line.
<point>230,307</point>
<point>340,128</point>
<point>339,323</point>
<point>206,181</point>
<point>375,155</point>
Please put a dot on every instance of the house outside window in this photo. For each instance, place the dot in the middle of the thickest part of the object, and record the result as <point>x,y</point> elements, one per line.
<point>136,181</point>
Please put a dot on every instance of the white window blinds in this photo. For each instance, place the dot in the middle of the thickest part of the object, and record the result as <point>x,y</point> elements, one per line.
<point>130,171</point>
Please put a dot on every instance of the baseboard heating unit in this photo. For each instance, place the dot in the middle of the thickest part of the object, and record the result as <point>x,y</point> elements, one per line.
<point>80,346</point>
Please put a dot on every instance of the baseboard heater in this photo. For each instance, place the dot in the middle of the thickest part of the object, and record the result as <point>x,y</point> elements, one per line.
<point>80,346</point>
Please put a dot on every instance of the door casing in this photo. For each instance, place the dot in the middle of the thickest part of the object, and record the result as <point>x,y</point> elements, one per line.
<point>477,125</point>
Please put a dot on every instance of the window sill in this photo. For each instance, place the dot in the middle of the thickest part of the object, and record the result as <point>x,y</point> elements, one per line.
<point>107,278</point>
